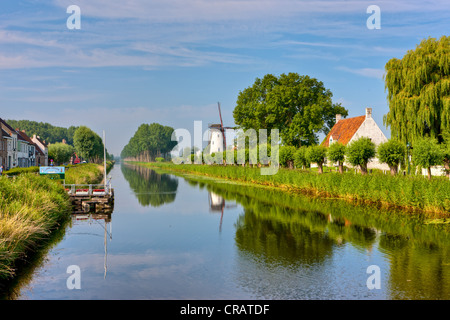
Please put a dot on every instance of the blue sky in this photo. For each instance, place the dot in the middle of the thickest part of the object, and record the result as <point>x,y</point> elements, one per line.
<point>171,61</point>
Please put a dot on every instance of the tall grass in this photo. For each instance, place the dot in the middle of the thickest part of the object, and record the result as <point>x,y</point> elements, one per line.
<point>408,192</point>
<point>30,208</point>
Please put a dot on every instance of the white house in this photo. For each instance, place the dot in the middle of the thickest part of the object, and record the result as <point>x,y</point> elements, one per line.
<point>350,129</point>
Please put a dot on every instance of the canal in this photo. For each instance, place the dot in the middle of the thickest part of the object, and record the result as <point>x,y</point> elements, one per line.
<point>174,237</point>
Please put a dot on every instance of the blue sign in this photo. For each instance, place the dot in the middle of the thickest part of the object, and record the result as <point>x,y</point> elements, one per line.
<point>52,170</point>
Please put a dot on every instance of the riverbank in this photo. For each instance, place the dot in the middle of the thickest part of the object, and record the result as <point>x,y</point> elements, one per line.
<point>410,193</point>
<point>32,207</point>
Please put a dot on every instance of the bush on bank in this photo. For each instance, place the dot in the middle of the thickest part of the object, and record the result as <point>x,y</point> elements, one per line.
<point>30,208</point>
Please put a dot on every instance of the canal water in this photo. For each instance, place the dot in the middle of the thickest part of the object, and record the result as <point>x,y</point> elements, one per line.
<point>185,237</point>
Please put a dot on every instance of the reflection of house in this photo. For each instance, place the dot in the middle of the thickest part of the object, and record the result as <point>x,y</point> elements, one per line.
<point>347,130</point>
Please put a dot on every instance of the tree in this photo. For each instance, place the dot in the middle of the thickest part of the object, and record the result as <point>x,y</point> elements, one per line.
<point>316,154</point>
<point>300,159</point>
<point>60,152</point>
<point>391,152</point>
<point>88,144</point>
<point>47,132</point>
<point>418,88</point>
<point>359,152</point>
<point>286,156</point>
<point>427,153</point>
<point>150,141</point>
<point>298,106</point>
<point>336,153</point>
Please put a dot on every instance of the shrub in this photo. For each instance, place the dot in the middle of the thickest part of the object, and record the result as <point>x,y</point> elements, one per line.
<point>359,152</point>
<point>317,154</point>
<point>391,152</point>
<point>300,159</point>
<point>286,155</point>
<point>159,159</point>
<point>427,153</point>
<point>336,153</point>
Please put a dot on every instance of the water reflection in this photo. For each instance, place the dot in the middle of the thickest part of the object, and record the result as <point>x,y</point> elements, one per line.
<point>286,234</point>
<point>149,187</point>
<point>90,219</point>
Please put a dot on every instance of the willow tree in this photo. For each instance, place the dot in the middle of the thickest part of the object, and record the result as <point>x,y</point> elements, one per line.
<point>418,87</point>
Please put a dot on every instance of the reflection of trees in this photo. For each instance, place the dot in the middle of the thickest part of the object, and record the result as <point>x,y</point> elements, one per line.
<point>418,270</point>
<point>281,241</point>
<point>150,187</point>
<point>282,228</point>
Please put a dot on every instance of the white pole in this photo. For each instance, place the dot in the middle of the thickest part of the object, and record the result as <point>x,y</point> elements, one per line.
<point>104,157</point>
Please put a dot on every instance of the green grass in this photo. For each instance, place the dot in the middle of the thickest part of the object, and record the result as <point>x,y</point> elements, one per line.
<point>406,192</point>
<point>30,208</point>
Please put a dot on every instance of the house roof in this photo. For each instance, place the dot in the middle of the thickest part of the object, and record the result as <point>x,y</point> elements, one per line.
<point>344,130</point>
<point>7,125</point>
<point>5,134</point>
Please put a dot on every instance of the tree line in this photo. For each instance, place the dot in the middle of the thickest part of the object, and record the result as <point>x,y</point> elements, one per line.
<point>47,132</point>
<point>79,140</point>
<point>87,145</point>
<point>149,142</point>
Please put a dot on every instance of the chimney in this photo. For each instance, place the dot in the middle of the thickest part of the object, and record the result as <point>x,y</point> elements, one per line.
<point>338,117</point>
<point>368,113</point>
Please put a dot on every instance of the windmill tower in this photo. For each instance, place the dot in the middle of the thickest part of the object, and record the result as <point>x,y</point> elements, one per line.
<point>217,139</point>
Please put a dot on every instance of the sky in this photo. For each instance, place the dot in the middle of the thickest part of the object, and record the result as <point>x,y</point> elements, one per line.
<point>171,61</point>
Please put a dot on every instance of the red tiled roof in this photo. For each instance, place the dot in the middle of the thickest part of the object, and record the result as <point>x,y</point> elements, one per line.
<point>344,130</point>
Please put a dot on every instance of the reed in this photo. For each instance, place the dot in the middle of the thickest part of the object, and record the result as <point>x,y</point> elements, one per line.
<point>406,192</point>
<point>30,208</point>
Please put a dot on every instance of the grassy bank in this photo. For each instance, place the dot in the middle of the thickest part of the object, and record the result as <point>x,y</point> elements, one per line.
<point>32,207</point>
<point>406,192</point>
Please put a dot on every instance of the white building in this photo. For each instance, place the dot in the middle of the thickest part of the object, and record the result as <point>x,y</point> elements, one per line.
<point>216,142</point>
<point>347,130</point>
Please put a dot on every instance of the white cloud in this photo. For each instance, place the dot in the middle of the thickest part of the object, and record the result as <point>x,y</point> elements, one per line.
<point>365,72</point>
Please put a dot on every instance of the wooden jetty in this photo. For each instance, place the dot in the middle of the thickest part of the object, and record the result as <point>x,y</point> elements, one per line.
<point>98,198</point>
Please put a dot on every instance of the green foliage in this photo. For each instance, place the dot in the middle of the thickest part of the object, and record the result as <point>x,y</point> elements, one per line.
<point>359,152</point>
<point>88,144</point>
<point>47,132</point>
<point>391,152</point>
<point>60,152</point>
<point>160,159</point>
<point>336,153</point>
<point>286,156</point>
<point>427,153</point>
<point>418,88</point>
<point>299,106</point>
<point>300,159</point>
<point>316,154</point>
<point>18,170</point>
<point>410,192</point>
<point>31,207</point>
<point>150,141</point>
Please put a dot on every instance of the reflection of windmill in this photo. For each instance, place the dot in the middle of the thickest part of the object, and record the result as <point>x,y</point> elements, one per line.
<point>217,139</point>
<point>217,204</point>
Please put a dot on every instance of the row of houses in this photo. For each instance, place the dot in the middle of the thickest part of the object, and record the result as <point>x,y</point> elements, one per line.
<point>17,149</point>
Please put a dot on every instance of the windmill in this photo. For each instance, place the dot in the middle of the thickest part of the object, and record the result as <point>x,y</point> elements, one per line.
<point>218,142</point>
